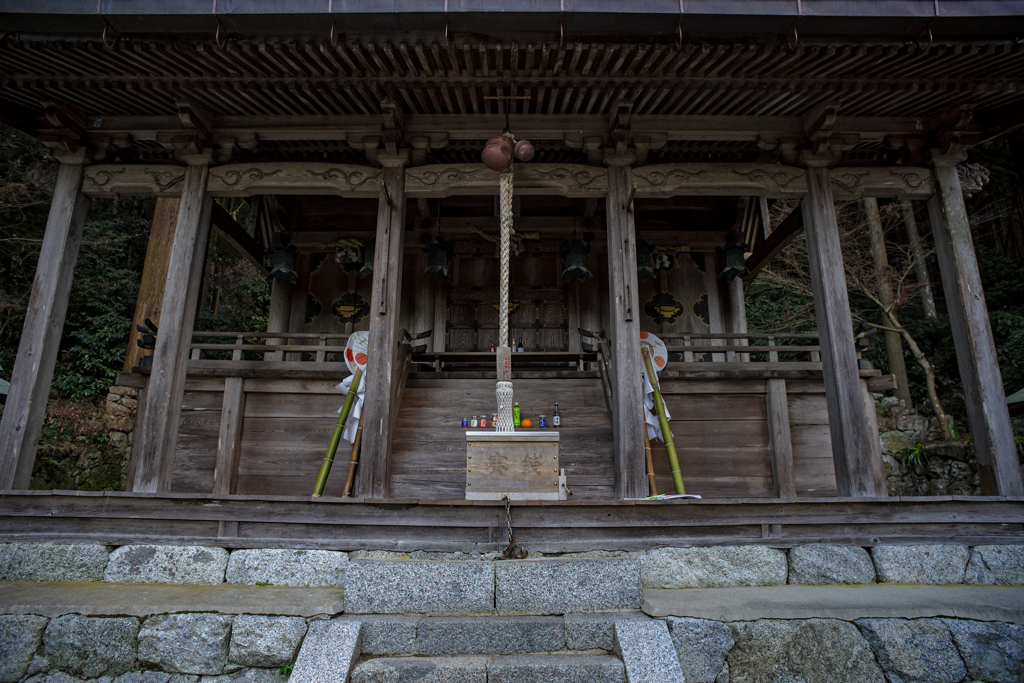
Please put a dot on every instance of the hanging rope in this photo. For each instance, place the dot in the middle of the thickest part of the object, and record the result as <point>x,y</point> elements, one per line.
<point>503,389</point>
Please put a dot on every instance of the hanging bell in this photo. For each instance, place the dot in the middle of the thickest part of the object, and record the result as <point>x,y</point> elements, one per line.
<point>497,154</point>
<point>368,249</point>
<point>524,150</point>
<point>644,267</point>
<point>575,255</point>
<point>733,257</point>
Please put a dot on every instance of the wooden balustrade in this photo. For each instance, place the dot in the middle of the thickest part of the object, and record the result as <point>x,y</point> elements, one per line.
<point>242,342</point>
<point>747,347</point>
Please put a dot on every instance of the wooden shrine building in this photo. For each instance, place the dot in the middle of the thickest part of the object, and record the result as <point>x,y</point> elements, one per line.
<point>355,136</point>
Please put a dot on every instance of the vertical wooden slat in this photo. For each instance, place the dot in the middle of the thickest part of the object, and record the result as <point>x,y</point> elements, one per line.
<point>40,337</point>
<point>229,445</point>
<point>627,409</point>
<point>780,442</point>
<point>381,373</point>
<point>159,431</point>
<point>857,472</point>
<point>972,336</point>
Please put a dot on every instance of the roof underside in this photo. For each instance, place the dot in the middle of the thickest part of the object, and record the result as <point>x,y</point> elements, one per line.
<point>242,81</point>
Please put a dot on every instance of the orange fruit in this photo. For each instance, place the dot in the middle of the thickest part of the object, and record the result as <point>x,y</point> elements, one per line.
<point>527,424</point>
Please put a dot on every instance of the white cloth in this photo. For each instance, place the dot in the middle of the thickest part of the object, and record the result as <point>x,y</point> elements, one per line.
<point>651,413</point>
<point>352,424</point>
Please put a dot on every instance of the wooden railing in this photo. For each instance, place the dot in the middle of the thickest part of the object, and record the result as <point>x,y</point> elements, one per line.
<point>745,347</point>
<point>244,345</point>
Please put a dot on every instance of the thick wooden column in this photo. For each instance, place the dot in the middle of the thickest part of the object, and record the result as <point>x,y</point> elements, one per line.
<point>858,471</point>
<point>279,315</point>
<point>972,335</point>
<point>154,274</point>
<point>159,432</point>
<point>385,309</point>
<point>780,441</point>
<point>40,337</point>
<point>624,333</point>
<point>738,316</point>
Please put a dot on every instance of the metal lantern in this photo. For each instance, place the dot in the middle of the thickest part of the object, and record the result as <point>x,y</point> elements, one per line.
<point>644,268</point>
<point>733,257</point>
<point>575,255</point>
<point>281,261</point>
<point>368,249</point>
<point>439,253</point>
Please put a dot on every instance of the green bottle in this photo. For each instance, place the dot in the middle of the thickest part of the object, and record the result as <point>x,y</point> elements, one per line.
<point>516,416</point>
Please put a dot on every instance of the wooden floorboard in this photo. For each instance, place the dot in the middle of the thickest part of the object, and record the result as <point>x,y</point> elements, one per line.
<point>353,524</point>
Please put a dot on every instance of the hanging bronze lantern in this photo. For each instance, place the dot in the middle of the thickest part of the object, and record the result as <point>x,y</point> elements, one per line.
<point>281,261</point>
<point>439,254</point>
<point>497,154</point>
<point>644,267</point>
<point>575,255</point>
<point>733,256</point>
<point>524,150</point>
<point>368,249</point>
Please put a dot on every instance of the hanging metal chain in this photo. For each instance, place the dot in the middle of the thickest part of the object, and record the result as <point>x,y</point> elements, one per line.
<point>512,551</point>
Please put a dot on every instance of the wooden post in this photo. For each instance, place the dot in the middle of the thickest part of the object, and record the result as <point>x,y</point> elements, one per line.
<point>920,263</point>
<point>44,321</point>
<point>627,409</point>
<point>279,315</point>
<point>154,274</point>
<point>229,445</point>
<point>858,473</point>
<point>738,315</point>
<point>780,442</point>
<point>385,310</point>
<point>880,259</point>
<point>159,432</point>
<point>972,335</point>
<point>423,301</point>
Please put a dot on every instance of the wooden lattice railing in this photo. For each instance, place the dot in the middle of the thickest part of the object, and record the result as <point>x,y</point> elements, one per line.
<point>269,346</point>
<point>745,347</point>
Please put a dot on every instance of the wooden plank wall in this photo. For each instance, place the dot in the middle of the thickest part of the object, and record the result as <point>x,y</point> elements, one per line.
<point>198,431</point>
<point>429,450</point>
<point>721,435</point>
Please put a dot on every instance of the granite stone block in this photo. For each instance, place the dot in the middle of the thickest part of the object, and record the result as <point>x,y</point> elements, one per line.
<point>279,567</point>
<point>937,564</point>
<point>714,567</point>
<point>422,670</point>
<point>52,561</point>
<point>702,647</point>
<point>328,652</point>
<point>418,587</point>
<point>563,586</point>
<point>265,641</point>
<point>92,646</point>
<point>647,652</point>
<point>190,565</point>
<point>20,637</point>
<point>489,635</point>
<point>387,634</point>
<point>186,643</point>
<point>993,652</point>
<point>248,676</point>
<point>595,631</point>
<point>914,650</point>
<point>555,669</point>
<point>813,565</point>
<point>996,565</point>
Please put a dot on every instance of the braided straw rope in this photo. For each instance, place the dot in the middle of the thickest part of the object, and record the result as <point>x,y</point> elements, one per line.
<point>503,390</point>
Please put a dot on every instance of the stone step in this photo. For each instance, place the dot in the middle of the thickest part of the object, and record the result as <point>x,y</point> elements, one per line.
<point>534,668</point>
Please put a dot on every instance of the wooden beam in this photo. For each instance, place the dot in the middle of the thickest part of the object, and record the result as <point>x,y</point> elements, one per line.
<point>385,310</point>
<point>229,444</point>
<point>159,432</point>
<point>972,335</point>
<point>627,408</point>
<point>40,336</point>
<point>237,236</point>
<point>858,473</point>
<point>780,442</point>
<point>780,238</point>
<point>154,275</point>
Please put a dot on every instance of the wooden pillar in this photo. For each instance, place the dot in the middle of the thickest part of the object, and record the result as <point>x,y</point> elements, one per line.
<point>624,333</point>
<point>424,287</point>
<point>972,335</point>
<point>738,315</point>
<point>159,432</point>
<point>40,337</point>
<point>385,310</point>
<point>880,261</point>
<point>229,443</point>
<point>154,274</point>
<point>858,471</point>
<point>279,315</point>
<point>780,442</point>
<point>440,334</point>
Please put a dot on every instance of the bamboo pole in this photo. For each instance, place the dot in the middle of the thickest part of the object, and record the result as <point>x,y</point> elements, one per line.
<point>353,459</point>
<point>666,433</point>
<point>650,463</point>
<point>339,427</point>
